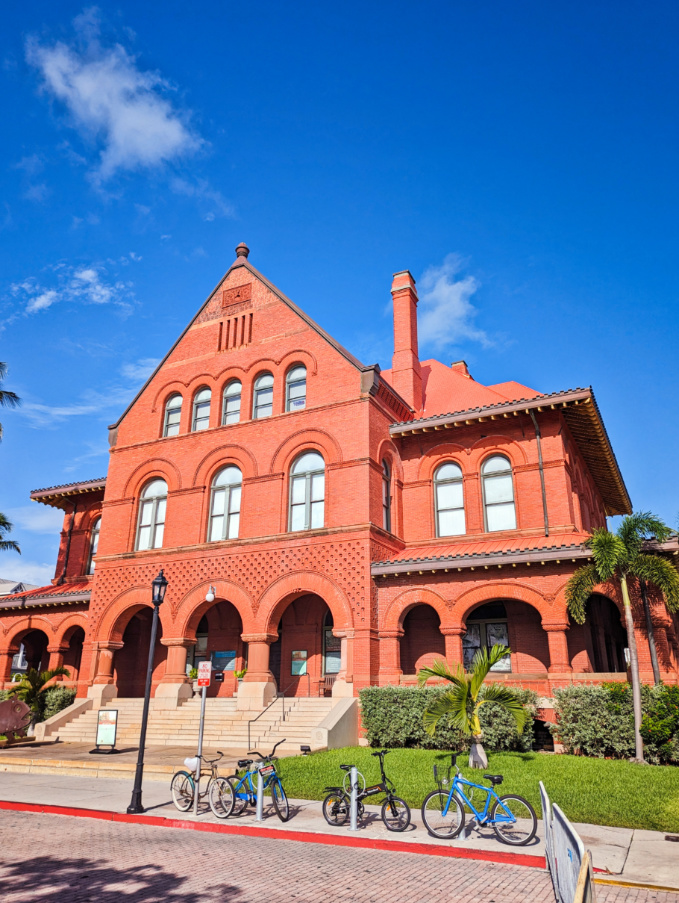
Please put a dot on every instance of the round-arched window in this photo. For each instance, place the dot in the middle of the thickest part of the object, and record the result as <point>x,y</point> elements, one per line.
<point>173,413</point>
<point>449,500</point>
<point>231,408</point>
<point>262,401</point>
<point>498,494</point>
<point>307,492</point>
<point>295,388</point>
<point>201,409</point>
<point>152,516</point>
<point>225,504</point>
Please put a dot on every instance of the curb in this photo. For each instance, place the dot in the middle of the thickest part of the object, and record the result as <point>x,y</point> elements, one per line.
<point>612,882</point>
<point>527,860</point>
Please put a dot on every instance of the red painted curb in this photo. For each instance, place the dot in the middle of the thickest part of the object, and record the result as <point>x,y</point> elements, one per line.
<point>341,840</point>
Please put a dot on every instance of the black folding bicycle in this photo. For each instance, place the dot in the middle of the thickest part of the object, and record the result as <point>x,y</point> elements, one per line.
<point>337,804</point>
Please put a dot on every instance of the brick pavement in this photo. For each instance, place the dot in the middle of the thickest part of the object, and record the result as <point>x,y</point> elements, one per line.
<point>83,861</point>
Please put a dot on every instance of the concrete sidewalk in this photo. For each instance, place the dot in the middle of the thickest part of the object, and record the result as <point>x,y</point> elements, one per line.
<point>643,857</point>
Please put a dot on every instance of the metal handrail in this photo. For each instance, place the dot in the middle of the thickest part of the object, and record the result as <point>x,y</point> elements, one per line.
<point>279,695</point>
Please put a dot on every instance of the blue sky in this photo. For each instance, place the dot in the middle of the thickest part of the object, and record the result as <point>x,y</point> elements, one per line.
<point>520,159</point>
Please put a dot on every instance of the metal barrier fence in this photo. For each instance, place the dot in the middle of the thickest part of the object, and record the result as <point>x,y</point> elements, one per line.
<point>570,866</point>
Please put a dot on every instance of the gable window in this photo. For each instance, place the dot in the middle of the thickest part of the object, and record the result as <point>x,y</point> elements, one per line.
<point>94,543</point>
<point>231,409</point>
<point>498,494</point>
<point>173,413</point>
<point>295,389</point>
<point>307,492</point>
<point>201,409</point>
<point>225,504</point>
<point>449,500</point>
<point>152,516</point>
<point>386,496</point>
<point>262,403</point>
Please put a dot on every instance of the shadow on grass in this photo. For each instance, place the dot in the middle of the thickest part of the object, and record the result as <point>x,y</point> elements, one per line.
<point>52,880</point>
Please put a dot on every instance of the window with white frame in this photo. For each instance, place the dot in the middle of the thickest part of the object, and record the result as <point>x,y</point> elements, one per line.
<point>201,409</point>
<point>449,500</point>
<point>152,505</point>
<point>498,494</point>
<point>94,543</point>
<point>231,408</point>
<point>307,492</point>
<point>173,413</point>
<point>295,388</point>
<point>386,496</point>
<point>225,504</point>
<point>262,401</point>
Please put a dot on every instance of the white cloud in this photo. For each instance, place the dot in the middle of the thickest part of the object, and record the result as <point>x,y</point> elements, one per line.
<point>75,284</point>
<point>446,314</point>
<point>213,202</point>
<point>109,98</point>
<point>23,571</point>
<point>36,518</point>
<point>141,370</point>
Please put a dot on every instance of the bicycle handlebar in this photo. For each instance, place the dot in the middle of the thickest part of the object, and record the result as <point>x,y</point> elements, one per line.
<point>382,753</point>
<point>256,752</point>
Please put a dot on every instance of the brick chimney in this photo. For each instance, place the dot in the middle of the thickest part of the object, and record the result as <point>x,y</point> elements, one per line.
<point>406,375</point>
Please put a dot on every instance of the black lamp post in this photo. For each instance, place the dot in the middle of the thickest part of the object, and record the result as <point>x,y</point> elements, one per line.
<point>159,587</point>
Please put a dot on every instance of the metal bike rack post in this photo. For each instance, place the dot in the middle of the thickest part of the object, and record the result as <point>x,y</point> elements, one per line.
<point>353,823</point>
<point>200,751</point>
<point>260,797</point>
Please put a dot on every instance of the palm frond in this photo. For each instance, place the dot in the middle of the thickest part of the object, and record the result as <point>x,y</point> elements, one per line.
<point>483,661</point>
<point>641,526</point>
<point>579,589</point>
<point>503,696</point>
<point>454,703</point>
<point>9,545</point>
<point>441,670</point>
<point>662,574</point>
<point>608,551</point>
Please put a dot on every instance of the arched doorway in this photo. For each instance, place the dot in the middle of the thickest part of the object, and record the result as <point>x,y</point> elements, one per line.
<point>422,641</point>
<point>512,623</point>
<point>598,646</point>
<point>75,638</point>
<point>218,640</point>
<point>299,658</point>
<point>32,652</point>
<point>130,662</point>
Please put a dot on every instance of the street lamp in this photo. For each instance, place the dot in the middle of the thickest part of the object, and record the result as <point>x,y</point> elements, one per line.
<point>159,586</point>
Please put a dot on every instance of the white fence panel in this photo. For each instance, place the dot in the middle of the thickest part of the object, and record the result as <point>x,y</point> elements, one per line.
<point>565,855</point>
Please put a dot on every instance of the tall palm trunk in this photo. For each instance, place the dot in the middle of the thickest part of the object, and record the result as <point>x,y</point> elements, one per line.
<point>649,630</point>
<point>634,669</point>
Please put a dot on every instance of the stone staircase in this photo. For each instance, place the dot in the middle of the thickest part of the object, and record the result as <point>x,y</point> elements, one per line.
<point>292,719</point>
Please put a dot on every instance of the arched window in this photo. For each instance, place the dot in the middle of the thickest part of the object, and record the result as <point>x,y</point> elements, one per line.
<point>94,543</point>
<point>449,500</point>
<point>173,412</point>
<point>152,516</point>
<point>231,409</point>
<point>262,402</point>
<point>498,494</point>
<point>225,504</point>
<point>295,388</point>
<point>307,492</point>
<point>201,409</point>
<point>386,496</point>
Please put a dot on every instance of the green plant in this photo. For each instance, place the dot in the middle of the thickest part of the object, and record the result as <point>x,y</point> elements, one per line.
<point>463,701</point>
<point>241,674</point>
<point>56,699</point>
<point>33,686</point>
<point>620,556</point>
<point>193,673</point>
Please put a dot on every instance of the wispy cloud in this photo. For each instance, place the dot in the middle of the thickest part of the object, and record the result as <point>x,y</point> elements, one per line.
<point>446,313</point>
<point>83,284</point>
<point>20,570</point>
<point>214,204</point>
<point>140,370</point>
<point>127,111</point>
<point>36,518</point>
<point>31,166</point>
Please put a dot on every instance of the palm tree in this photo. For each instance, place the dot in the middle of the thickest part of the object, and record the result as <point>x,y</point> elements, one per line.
<point>7,399</point>
<point>619,556</point>
<point>464,699</point>
<point>32,687</point>
<point>7,544</point>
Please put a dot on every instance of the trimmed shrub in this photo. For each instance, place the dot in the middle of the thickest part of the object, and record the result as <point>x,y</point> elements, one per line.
<point>599,721</point>
<point>56,699</point>
<point>392,717</point>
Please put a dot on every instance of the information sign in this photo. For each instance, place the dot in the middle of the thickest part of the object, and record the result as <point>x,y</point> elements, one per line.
<point>299,657</point>
<point>107,723</point>
<point>204,671</point>
<point>224,660</point>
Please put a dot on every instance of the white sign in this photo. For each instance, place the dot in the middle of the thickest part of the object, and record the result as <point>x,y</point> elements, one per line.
<point>107,721</point>
<point>204,672</point>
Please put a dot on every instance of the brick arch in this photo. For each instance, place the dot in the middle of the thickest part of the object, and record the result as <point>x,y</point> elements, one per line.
<point>16,631</point>
<point>497,592</point>
<point>227,375</point>
<point>496,445</point>
<point>446,451</point>
<point>406,601</point>
<point>175,387</point>
<point>388,450</point>
<point>201,380</point>
<point>262,365</point>
<point>220,457</point>
<point>89,517</point>
<point>193,606</point>
<point>69,624</point>
<point>298,356</point>
<point>290,448</point>
<point>153,467</point>
<point>122,609</point>
<point>283,591</point>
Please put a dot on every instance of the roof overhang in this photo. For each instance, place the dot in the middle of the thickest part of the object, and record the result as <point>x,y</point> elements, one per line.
<point>583,418</point>
<point>478,561</point>
<point>62,496</point>
<point>21,601</point>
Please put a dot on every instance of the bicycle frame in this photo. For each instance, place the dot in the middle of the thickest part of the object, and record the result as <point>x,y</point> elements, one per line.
<point>250,792</point>
<point>481,817</point>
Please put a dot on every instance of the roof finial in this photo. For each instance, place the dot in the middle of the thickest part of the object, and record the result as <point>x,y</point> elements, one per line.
<point>242,250</point>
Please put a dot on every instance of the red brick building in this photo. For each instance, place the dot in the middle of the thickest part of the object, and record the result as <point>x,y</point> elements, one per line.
<point>353,524</point>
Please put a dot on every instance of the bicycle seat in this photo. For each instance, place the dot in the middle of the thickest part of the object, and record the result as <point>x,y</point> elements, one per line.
<point>346,767</point>
<point>494,778</point>
<point>243,763</point>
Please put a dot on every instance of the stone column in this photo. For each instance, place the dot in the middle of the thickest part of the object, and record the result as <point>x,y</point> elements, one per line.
<point>103,688</point>
<point>6,664</point>
<point>174,686</point>
<point>390,656</point>
<point>453,638</point>
<point>258,688</point>
<point>56,659</point>
<point>559,662</point>
<point>344,682</point>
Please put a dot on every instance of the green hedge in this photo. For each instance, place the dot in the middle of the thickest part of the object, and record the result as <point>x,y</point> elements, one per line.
<point>392,717</point>
<point>599,721</point>
<point>56,699</point>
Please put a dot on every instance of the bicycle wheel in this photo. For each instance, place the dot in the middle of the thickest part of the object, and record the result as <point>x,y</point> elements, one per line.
<point>280,800</point>
<point>221,797</point>
<point>395,814</point>
<point>182,790</point>
<point>514,820</point>
<point>240,795</point>
<point>445,826</point>
<point>336,808</point>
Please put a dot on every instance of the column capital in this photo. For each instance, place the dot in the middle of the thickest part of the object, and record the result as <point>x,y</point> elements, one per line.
<point>107,646</point>
<point>56,649</point>
<point>453,631</point>
<point>395,634</point>
<point>555,626</point>
<point>259,637</point>
<point>177,641</point>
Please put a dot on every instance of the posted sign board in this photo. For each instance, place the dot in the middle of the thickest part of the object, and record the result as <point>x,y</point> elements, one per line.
<point>204,670</point>
<point>107,722</point>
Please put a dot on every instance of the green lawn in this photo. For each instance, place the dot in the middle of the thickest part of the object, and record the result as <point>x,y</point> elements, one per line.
<point>598,791</point>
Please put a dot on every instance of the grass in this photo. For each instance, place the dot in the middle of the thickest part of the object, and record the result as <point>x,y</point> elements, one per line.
<point>596,791</point>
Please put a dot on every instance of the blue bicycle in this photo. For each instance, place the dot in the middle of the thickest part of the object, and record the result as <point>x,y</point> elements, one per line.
<point>230,796</point>
<point>443,811</point>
